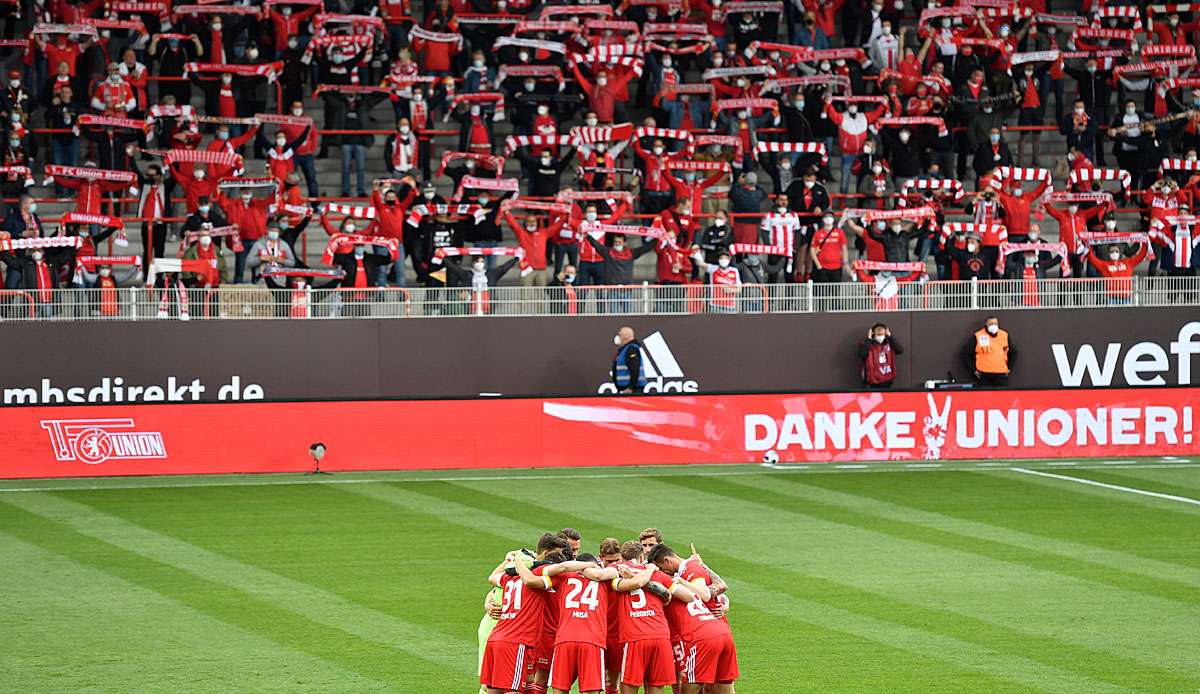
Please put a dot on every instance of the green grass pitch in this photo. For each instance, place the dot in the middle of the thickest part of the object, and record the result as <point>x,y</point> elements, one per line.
<point>862,579</point>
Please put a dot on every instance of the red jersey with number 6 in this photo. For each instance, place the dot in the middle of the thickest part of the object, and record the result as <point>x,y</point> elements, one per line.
<point>522,610</point>
<point>641,614</point>
<point>582,609</point>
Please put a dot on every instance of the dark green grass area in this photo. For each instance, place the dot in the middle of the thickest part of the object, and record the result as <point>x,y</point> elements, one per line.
<point>964,580</point>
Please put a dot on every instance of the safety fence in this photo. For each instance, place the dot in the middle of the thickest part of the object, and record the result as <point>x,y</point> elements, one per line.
<point>258,302</point>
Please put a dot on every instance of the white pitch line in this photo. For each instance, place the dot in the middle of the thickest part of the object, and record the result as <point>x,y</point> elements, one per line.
<point>1105,485</point>
<point>926,465</point>
<point>990,467</point>
<point>1060,464</point>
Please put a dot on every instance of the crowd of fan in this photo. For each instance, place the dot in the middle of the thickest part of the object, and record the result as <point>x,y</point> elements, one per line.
<point>709,129</point>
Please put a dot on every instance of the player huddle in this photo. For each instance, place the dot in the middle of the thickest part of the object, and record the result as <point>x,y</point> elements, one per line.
<point>639,616</point>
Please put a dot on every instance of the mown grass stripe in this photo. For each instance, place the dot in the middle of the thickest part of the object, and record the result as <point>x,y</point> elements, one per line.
<point>230,634</point>
<point>1185,480</point>
<point>869,500</point>
<point>1044,479</point>
<point>498,511</point>
<point>989,543</point>
<point>298,598</point>
<point>346,545</point>
<point>978,606</point>
<point>1184,494</point>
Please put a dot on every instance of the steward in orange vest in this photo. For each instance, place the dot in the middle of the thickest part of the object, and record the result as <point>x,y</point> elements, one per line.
<point>989,354</point>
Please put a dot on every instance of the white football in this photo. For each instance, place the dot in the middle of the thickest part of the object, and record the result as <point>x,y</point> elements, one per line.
<point>770,457</point>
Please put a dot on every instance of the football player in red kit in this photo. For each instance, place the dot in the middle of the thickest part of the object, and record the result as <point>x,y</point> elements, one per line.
<point>646,656</point>
<point>582,630</point>
<point>510,652</point>
<point>710,658</point>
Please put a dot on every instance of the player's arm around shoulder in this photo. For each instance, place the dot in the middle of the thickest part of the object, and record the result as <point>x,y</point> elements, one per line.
<point>533,578</point>
<point>628,581</point>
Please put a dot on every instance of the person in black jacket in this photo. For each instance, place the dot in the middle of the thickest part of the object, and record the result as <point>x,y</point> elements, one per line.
<point>969,262</point>
<point>808,196</point>
<point>991,154</point>
<point>62,114</point>
<point>1094,87</point>
<point>20,222</point>
<point>716,238</point>
<point>205,214</point>
<point>618,270</point>
<point>358,293</point>
<point>896,239</point>
<point>39,271</point>
<point>546,171</point>
<point>903,151</point>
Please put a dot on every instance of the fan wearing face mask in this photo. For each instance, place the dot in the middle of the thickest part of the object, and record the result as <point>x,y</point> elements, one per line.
<point>114,96</point>
<point>1178,241</point>
<point>853,133</point>
<point>1017,199</point>
<point>271,252</point>
<point>1074,221</point>
<point>1117,268</point>
<point>205,281</point>
<point>475,127</point>
<point>605,93</point>
<point>249,214</point>
<point>545,169</point>
<point>656,192</point>
<point>281,152</point>
<point>36,272</point>
<point>226,142</point>
<point>991,154</point>
<point>286,22</point>
<point>195,181</point>
<point>878,356</point>
<point>1093,84</point>
<point>745,126</point>
<point>989,354</point>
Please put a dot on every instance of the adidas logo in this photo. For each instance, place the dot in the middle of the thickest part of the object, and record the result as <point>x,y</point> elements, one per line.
<point>663,373</point>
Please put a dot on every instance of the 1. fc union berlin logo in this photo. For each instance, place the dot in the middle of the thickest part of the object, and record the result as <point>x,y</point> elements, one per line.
<point>93,441</point>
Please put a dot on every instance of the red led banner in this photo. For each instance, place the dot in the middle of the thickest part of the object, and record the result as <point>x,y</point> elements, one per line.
<point>104,440</point>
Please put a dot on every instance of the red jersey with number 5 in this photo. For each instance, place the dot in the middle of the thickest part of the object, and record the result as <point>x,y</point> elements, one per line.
<point>522,610</point>
<point>582,609</point>
<point>641,614</point>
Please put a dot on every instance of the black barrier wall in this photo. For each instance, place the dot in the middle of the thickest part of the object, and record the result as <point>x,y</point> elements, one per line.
<point>462,357</point>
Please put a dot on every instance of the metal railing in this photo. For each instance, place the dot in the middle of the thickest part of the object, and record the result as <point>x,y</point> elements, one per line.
<point>259,302</point>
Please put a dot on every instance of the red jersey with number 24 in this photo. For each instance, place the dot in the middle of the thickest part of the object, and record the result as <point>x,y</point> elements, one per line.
<point>582,609</point>
<point>641,614</point>
<point>522,610</point>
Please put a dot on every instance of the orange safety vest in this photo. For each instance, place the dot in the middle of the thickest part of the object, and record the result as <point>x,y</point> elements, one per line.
<point>991,352</point>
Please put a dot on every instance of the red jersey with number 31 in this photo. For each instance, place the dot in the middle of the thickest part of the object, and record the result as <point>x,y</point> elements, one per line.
<point>522,610</point>
<point>582,609</point>
<point>641,615</point>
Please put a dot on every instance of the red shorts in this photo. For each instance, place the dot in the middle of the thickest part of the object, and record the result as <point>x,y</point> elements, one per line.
<point>505,665</point>
<point>712,661</point>
<point>648,662</point>
<point>612,656</point>
<point>545,650</point>
<point>679,649</point>
<point>582,661</point>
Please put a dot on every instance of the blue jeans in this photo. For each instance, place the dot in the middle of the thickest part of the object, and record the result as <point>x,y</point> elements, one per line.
<point>847,164</point>
<point>356,154</point>
<point>239,264</point>
<point>304,162</point>
<point>396,274</point>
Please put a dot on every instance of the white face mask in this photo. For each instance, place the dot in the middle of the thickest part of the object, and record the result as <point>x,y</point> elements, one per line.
<point>546,161</point>
<point>809,184</point>
<point>479,63</point>
<point>1131,110</point>
<point>246,199</point>
<point>14,83</point>
<point>105,272</point>
<point>37,255</point>
<point>877,169</point>
<point>590,216</point>
<point>993,329</point>
<point>478,267</point>
<point>880,338</point>
<point>32,207</point>
<point>428,194</point>
<point>203,209</point>
<point>199,174</point>
<point>359,253</point>
<point>280,142</point>
<point>592,122</point>
<point>350,229</point>
<point>618,247</point>
<point>252,53</point>
<point>971,247</point>
<point>293,44</point>
<point>205,241</point>
<point>658,151</point>
<point>1072,209</point>
<point>543,110</point>
<point>404,130</point>
<point>1110,224</point>
<point>799,104</point>
<point>1114,256</point>
<point>723,262</point>
<point>1017,192</point>
<point>617,340</point>
<point>852,109</point>
<point>904,137</point>
<point>273,235</point>
<point>297,112</point>
<point>828,222</point>
<point>718,222</point>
